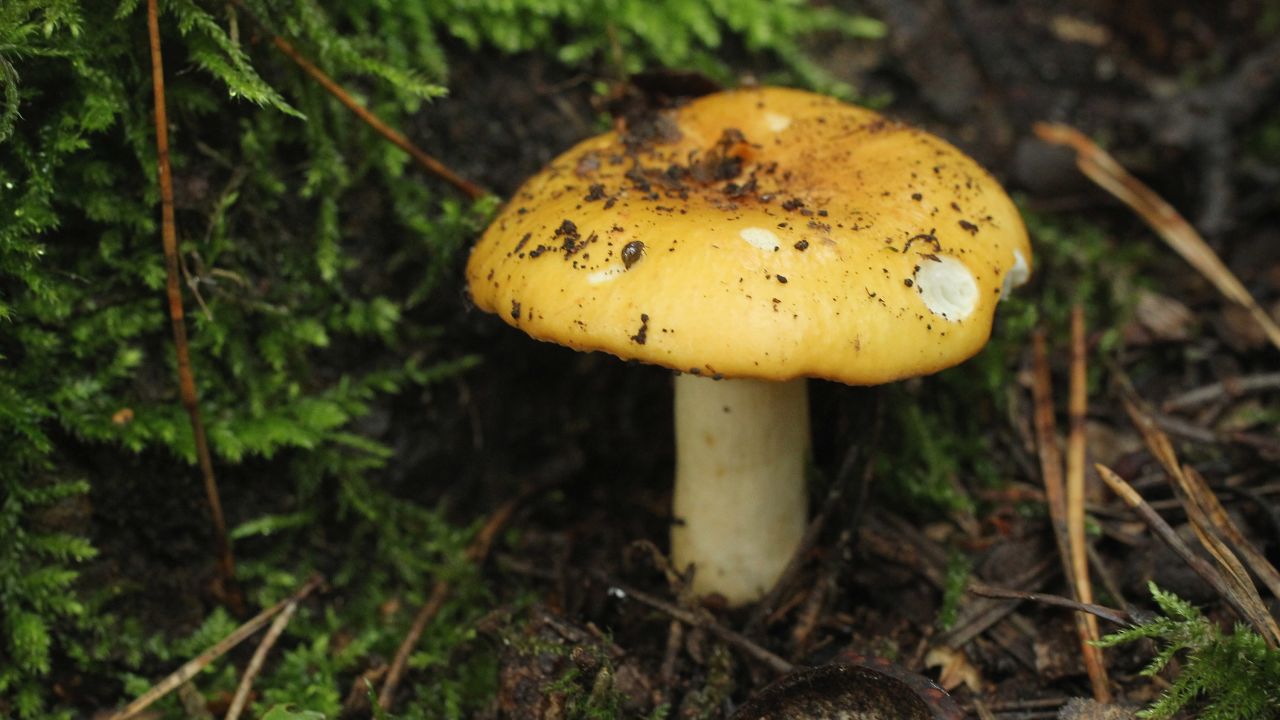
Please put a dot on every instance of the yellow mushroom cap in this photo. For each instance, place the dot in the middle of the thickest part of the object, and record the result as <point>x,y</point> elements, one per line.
<point>765,233</point>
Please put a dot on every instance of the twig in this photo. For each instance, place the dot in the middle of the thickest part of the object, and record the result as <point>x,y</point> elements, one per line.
<point>1116,616</point>
<point>1229,388</point>
<point>1208,572</point>
<point>1208,518</point>
<point>274,632</point>
<point>186,379</point>
<point>687,617</point>
<point>1103,169</point>
<point>667,671</point>
<point>217,650</point>
<point>1047,446</point>
<point>835,494</point>
<point>393,136</point>
<point>1223,522</point>
<point>1198,433</point>
<point>985,615</point>
<point>1077,409</point>
<point>476,553</point>
<point>981,711</point>
<point>828,579</point>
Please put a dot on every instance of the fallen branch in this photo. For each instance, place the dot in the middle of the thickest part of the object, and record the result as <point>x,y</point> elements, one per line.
<point>217,650</point>
<point>1104,170</point>
<point>186,378</point>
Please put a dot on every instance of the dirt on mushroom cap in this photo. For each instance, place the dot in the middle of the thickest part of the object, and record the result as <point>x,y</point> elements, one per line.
<point>767,233</point>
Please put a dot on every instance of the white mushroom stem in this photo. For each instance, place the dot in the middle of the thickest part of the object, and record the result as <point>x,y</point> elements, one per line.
<point>740,497</point>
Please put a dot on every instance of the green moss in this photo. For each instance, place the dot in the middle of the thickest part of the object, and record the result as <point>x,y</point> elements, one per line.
<point>1225,676</point>
<point>959,570</point>
<point>284,199</point>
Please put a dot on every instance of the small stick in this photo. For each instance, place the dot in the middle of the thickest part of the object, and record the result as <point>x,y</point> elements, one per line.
<point>742,642</point>
<point>984,616</point>
<point>1229,388</point>
<point>771,599</point>
<point>1047,446</point>
<point>476,552</point>
<point>217,650</point>
<point>468,188</point>
<point>981,710</point>
<point>186,378</point>
<point>825,587</point>
<point>1077,410</point>
<point>1208,519</point>
<point>1103,169</point>
<point>1208,572</point>
<point>667,671</point>
<point>1217,514</point>
<point>274,632</point>
<point>1116,616</point>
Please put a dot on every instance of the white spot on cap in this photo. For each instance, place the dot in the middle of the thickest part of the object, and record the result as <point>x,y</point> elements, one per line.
<point>776,122</point>
<point>762,238</point>
<point>605,275</point>
<point>1017,275</point>
<point>947,288</point>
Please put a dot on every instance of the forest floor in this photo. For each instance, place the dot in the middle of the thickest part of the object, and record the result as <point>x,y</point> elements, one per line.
<point>1179,92</point>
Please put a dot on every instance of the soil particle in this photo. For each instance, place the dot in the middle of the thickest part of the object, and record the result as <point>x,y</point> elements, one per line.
<point>642,335</point>
<point>571,238</point>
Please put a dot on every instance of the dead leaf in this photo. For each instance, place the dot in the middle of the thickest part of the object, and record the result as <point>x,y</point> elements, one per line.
<point>956,668</point>
<point>1166,319</point>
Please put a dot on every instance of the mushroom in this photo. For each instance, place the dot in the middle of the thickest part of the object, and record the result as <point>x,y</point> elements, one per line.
<point>750,239</point>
